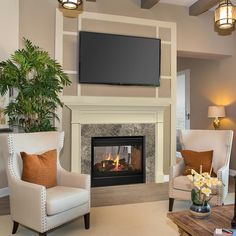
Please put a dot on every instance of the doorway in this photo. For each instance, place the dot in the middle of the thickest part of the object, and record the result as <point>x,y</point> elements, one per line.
<point>183,100</point>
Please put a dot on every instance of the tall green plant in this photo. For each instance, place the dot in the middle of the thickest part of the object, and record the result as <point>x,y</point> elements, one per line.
<point>37,80</point>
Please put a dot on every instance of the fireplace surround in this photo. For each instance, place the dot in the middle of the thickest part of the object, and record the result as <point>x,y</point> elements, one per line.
<point>87,113</point>
<point>147,131</point>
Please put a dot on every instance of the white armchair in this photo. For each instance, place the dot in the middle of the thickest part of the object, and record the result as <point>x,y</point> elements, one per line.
<point>33,205</point>
<point>220,141</point>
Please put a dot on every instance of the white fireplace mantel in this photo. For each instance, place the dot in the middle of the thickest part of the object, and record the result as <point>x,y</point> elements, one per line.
<point>117,111</point>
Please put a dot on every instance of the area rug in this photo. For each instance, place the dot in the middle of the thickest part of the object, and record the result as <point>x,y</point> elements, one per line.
<point>142,219</point>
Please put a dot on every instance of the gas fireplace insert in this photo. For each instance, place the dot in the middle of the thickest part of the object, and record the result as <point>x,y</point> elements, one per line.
<point>118,160</point>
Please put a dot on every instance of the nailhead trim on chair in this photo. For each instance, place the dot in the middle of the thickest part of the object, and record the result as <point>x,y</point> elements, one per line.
<point>10,143</point>
<point>219,189</point>
<point>43,212</point>
<point>11,158</point>
<point>171,187</point>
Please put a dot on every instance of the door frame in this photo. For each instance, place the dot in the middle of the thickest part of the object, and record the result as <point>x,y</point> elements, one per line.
<point>186,74</point>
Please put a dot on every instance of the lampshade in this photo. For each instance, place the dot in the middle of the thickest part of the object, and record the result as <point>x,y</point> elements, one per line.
<point>225,15</point>
<point>216,111</point>
<point>70,4</point>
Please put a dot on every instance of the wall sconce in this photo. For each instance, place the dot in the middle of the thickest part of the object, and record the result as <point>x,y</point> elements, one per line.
<point>216,112</point>
<point>70,4</point>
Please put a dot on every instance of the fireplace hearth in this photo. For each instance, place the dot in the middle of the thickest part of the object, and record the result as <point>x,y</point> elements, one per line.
<point>117,160</point>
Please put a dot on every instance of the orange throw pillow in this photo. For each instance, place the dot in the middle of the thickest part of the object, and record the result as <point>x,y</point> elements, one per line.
<point>40,168</point>
<point>193,160</point>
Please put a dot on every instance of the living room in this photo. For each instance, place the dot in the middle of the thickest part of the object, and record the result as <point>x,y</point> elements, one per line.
<point>188,43</point>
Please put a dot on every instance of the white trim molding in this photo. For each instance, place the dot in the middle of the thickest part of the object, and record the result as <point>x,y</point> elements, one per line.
<point>4,192</point>
<point>166,178</point>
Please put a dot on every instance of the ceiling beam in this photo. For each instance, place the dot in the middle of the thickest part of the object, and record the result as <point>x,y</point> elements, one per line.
<point>147,4</point>
<point>202,6</point>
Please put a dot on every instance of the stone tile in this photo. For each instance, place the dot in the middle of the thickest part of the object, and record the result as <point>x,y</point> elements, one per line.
<point>105,130</point>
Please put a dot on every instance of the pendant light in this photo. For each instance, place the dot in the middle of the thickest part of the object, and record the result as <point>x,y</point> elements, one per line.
<point>70,4</point>
<point>225,15</point>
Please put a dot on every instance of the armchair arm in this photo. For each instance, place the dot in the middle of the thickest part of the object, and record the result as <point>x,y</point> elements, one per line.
<point>28,204</point>
<point>74,180</point>
<point>223,175</point>
<point>177,169</point>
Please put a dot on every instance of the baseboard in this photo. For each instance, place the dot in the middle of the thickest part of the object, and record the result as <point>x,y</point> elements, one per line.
<point>166,178</point>
<point>161,178</point>
<point>232,172</point>
<point>4,192</point>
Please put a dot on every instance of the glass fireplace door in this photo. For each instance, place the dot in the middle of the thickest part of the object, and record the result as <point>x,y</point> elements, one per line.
<point>117,160</point>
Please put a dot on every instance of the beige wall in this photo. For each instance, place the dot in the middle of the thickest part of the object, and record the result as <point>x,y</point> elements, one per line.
<point>212,82</point>
<point>8,44</point>
<point>37,23</point>
<point>9,25</point>
<point>195,35</point>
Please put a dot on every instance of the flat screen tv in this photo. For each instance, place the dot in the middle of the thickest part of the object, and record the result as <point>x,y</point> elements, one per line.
<point>118,59</point>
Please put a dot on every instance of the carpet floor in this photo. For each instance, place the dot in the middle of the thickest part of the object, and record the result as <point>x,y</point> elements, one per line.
<point>142,219</point>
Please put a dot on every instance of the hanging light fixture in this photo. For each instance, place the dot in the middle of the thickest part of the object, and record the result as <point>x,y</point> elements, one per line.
<point>225,15</point>
<point>70,4</point>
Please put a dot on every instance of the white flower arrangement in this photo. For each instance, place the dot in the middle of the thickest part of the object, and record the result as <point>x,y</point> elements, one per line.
<point>203,184</point>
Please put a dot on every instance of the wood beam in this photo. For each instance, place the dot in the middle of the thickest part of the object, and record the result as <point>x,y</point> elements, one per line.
<point>147,4</point>
<point>202,6</point>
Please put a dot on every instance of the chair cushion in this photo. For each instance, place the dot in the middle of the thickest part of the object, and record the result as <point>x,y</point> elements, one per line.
<point>182,183</point>
<point>40,168</point>
<point>62,198</point>
<point>193,160</point>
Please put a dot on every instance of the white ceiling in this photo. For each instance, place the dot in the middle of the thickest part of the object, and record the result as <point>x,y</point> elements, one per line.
<point>186,3</point>
<point>179,2</point>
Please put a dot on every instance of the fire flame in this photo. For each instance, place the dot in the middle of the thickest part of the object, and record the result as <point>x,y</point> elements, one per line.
<point>116,161</point>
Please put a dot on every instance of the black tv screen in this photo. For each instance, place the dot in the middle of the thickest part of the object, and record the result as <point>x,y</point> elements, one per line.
<point>118,59</point>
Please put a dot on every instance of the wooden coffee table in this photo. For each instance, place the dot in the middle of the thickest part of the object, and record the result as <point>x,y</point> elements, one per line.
<point>220,217</point>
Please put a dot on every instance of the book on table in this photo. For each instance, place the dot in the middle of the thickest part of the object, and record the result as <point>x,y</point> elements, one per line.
<point>225,232</point>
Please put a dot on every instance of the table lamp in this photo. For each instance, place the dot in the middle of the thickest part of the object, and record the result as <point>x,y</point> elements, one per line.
<point>216,112</point>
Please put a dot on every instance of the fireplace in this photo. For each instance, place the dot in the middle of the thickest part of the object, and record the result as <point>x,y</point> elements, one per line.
<point>117,160</point>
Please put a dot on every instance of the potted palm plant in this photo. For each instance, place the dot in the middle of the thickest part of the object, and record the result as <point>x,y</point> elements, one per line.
<point>37,80</point>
